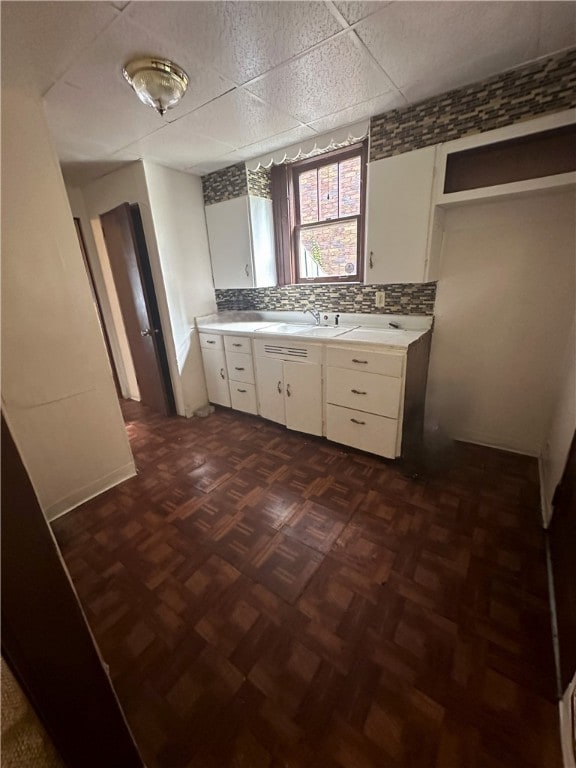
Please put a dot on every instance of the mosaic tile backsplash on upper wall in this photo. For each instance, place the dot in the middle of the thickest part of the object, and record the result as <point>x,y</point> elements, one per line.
<point>260,182</point>
<point>401,299</point>
<point>226,184</point>
<point>546,86</point>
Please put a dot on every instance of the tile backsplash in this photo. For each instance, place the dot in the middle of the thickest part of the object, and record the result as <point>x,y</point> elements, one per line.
<point>545,86</point>
<point>405,299</point>
<point>226,184</point>
<point>260,182</point>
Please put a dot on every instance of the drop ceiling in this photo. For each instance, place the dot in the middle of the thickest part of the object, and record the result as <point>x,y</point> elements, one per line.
<point>263,75</point>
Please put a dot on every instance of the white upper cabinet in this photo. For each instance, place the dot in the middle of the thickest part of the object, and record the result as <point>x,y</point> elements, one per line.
<point>241,238</point>
<point>399,225</point>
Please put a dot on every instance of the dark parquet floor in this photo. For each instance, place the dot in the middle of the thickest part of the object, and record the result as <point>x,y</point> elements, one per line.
<point>265,599</point>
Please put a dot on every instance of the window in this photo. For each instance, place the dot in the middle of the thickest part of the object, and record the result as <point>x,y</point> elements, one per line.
<point>322,222</point>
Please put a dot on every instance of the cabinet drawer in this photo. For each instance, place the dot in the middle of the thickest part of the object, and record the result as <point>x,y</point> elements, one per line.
<point>240,367</point>
<point>386,363</point>
<point>364,391</point>
<point>238,344</point>
<point>365,431</point>
<point>211,341</point>
<point>243,397</point>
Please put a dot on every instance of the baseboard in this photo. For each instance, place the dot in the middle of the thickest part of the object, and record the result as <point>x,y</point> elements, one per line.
<point>488,444</point>
<point>88,492</point>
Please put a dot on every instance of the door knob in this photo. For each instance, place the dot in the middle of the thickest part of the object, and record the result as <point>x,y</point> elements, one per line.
<point>148,331</point>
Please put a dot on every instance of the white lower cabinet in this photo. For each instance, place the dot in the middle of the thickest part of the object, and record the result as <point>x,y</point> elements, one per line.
<point>243,397</point>
<point>240,373</point>
<point>365,431</point>
<point>270,378</point>
<point>363,396</point>
<point>216,376</point>
<point>303,386</point>
<point>290,393</point>
<point>365,391</point>
<point>364,399</point>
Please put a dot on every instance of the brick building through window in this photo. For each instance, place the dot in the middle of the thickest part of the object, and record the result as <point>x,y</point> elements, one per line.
<point>324,218</point>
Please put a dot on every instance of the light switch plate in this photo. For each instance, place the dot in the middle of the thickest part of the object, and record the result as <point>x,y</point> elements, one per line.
<point>380,299</point>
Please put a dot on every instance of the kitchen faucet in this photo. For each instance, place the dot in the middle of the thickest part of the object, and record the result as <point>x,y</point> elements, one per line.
<point>315,314</point>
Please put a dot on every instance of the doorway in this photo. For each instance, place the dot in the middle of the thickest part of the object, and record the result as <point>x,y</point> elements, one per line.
<point>132,276</point>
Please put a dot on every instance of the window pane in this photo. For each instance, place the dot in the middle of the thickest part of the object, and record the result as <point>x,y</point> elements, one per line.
<point>308,183</point>
<point>328,250</point>
<point>328,191</point>
<point>350,187</point>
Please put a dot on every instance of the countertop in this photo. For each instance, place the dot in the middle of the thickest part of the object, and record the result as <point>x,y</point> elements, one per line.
<point>356,329</point>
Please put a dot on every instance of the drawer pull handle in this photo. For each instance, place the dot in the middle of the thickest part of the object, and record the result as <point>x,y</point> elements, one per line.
<point>279,387</point>
<point>364,362</point>
<point>355,421</point>
<point>234,344</point>
<point>210,341</point>
<point>242,390</point>
<point>238,369</point>
<point>222,376</point>
<point>288,390</point>
<point>357,392</point>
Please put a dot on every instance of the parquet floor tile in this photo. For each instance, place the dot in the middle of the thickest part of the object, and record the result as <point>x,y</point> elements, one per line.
<point>266,599</point>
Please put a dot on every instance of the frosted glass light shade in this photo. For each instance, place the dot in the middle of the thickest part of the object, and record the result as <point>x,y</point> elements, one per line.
<point>159,83</point>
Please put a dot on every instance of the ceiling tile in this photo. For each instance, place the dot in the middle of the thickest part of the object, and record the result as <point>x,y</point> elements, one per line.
<point>237,119</point>
<point>281,140</point>
<point>77,174</point>
<point>51,34</point>
<point>354,11</point>
<point>352,115</point>
<point>99,69</point>
<point>241,39</point>
<point>176,145</point>
<point>92,118</point>
<point>557,27</point>
<point>336,75</point>
<point>232,158</point>
<point>427,48</point>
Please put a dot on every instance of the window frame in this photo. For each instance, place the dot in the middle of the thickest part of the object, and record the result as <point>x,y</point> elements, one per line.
<point>359,149</point>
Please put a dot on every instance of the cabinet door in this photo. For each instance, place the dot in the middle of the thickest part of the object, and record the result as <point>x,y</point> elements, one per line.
<point>303,397</point>
<point>230,244</point>
<point>216,377</point>
<point>398,215</point>
<point>263,246</point>
<point>270,385</point>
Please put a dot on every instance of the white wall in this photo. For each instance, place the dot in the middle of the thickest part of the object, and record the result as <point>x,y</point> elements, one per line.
<point>128,185</point>
<point>58,393</point>
<point>107,295</point>
<point>177,207</point>
<point>504,308</point>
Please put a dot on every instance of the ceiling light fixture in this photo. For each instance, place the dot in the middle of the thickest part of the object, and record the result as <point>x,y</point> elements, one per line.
<point>159,83</point>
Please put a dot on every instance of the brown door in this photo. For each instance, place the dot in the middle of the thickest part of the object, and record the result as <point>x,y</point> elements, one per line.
<point>45,638</point>
<point>562,533</point>
<point>126,248</point>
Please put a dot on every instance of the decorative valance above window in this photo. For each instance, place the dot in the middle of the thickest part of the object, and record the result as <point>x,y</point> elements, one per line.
<point>341,137</point>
